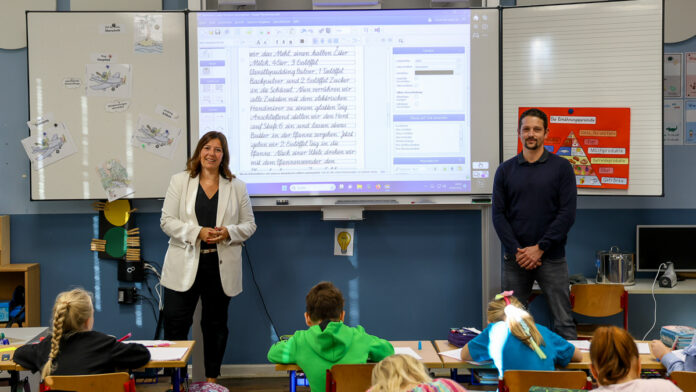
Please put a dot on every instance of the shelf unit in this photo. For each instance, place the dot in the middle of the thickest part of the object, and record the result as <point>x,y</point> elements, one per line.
<point>13,275</point>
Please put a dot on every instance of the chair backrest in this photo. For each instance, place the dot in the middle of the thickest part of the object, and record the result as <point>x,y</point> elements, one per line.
<point>349,378</point>
<point>109,382</point>
<point>522,380</point>
<point>684,380</point>
<point>598,300</point>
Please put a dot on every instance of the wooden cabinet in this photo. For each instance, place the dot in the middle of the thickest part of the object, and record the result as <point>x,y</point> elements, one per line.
<point>27,275</point>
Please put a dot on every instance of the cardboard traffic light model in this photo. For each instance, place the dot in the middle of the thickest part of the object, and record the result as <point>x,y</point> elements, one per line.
<point>119,239</point>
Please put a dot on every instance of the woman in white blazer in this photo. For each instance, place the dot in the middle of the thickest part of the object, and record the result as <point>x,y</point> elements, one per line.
<point>207,215</point>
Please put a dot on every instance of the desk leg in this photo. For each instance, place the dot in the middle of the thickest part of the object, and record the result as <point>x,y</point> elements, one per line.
<point>14,380</point>
<point>293,381</point>
<point>176,380</point>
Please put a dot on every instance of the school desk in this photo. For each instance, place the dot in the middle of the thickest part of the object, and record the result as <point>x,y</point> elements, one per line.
<point>427,352</point>
<point>647,361</point>
<point>14,368</point>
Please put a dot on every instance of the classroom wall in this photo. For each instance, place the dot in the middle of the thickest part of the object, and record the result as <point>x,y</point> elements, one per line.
<point>414,275</point>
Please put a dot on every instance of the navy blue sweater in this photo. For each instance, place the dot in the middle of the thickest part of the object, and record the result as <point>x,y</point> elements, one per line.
<point>534,203</point>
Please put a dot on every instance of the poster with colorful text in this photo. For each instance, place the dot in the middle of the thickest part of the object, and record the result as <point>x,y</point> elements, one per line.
<point>596,141</point>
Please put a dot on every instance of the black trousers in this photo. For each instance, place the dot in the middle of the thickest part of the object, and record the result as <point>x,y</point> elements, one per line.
<point>180,306</point>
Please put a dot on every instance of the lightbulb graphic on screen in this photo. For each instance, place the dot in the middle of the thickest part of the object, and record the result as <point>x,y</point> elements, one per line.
<point>350,102</point>
<point>343,241</point>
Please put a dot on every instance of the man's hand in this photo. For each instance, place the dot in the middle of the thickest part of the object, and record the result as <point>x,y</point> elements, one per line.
<point>529,257</point>
<point>658,349</point>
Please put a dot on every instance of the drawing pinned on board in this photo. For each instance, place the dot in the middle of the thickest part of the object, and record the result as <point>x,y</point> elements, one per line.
<point>117,106</point>
<point>148,34</point>
<point>156,137</point>
<point>109,80</point>
<point>114,179</point>
<point>49,143</point>
<point>673,122</point>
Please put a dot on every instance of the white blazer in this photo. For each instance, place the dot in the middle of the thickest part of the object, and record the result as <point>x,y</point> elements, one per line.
<point>179,222</point>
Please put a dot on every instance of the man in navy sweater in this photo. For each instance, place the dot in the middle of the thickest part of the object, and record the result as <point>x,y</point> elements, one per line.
<point>534,200</point>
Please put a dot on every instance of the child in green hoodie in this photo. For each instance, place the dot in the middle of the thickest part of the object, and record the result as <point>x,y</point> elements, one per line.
<point>327,341</point>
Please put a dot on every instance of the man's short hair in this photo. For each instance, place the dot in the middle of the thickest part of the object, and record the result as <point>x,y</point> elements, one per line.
<point>324,302</point>
<point>534,112</point>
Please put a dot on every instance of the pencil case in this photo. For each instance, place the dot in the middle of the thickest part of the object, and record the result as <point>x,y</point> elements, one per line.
<point>460,336</point>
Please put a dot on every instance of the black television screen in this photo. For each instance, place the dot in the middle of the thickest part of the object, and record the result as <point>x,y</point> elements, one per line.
<point>656,244</point>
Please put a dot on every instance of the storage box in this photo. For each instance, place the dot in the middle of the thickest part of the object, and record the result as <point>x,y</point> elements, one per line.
<point>4,311</point>
<point>681,333</point>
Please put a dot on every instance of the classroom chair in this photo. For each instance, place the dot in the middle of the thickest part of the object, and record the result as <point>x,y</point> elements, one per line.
<point>109,382</point>
<point>598,300</point>
<point>523,380</point>
<point>686,381</point>
<point>349,378</point>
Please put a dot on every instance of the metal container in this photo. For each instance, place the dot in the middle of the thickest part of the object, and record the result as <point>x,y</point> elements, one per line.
<point>614,266</point>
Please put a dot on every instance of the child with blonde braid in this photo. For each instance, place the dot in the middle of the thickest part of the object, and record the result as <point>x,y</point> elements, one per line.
<point>515,342</point>
<point>73,348</point>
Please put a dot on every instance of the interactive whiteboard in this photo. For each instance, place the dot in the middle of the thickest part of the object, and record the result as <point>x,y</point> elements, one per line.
<point>107,103</point>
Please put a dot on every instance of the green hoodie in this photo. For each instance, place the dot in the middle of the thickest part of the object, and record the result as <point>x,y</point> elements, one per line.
<point>315,350</point>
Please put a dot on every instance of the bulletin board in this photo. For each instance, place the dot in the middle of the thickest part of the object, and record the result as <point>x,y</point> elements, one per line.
<point>107,103</point>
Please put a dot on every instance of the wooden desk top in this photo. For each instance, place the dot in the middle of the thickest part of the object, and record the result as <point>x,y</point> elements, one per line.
<point>644,286</point>
<point>430,357</point>
<point>647,361</point>
<point>10,365</point>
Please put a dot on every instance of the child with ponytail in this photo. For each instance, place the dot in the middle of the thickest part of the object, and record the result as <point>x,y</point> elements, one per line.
<point>73,348</point>
<point>515,342</point>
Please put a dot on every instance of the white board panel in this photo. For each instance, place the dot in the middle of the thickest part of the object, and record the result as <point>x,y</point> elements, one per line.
<point>105,76</point>
<point>606,54</point>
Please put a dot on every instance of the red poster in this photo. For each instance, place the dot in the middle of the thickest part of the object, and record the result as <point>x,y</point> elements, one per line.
<point>596,141</point>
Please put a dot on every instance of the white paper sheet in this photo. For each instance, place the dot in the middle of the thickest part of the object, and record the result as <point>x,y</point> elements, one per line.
<point>643,348</point>
<point>166,353</point>
<point>582,345</point>
<point>456,353</point>
<point>152,343</point>
<point>407,351</point>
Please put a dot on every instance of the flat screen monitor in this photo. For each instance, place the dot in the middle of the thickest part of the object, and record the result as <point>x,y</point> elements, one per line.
<point>350,102</point>
<point>656,244</point>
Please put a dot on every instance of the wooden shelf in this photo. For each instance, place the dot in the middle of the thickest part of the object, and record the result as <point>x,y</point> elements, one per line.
<point>4,239</point>
<point>27,275</point>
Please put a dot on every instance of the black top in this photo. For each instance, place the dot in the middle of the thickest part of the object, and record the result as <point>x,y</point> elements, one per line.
<point>534,203</point>
<point>88,352</point>
<point>206,212</point>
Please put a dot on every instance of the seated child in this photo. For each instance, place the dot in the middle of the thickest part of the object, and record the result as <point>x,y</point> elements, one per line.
<point>530,347</point>
<point>403,373</point>
<point>327,341</point>
<point>616,364</point>
<point>73,348</point>
<point>670,361</point>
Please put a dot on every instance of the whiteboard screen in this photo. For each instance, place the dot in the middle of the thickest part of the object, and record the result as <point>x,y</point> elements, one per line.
<point>351,102</point>
<point>107,103</point>
<point>606,54</point>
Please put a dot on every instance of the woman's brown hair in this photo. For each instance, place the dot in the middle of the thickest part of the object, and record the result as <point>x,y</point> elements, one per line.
<point>612,352</point>
<point>193,165</point>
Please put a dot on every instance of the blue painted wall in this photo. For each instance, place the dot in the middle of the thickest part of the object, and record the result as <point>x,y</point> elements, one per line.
<point>415,273</point>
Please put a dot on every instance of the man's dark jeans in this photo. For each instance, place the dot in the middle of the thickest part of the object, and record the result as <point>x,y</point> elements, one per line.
<point>552,276</point>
